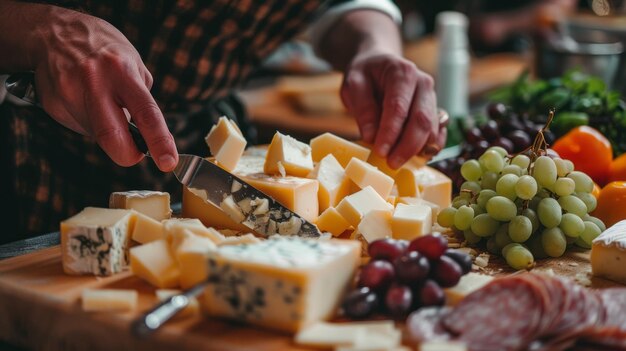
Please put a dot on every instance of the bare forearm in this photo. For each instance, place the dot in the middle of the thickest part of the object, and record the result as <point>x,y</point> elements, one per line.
<point>360,31</point>
<point>19,34</point>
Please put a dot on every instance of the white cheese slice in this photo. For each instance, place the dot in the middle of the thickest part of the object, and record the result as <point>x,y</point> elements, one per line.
<point>468,284</point>
<point>608,253</point>
<point>119,300</point>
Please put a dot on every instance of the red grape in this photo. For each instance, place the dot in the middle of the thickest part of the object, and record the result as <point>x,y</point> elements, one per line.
<point>431,294</point>
<point>462,259</point>
<point>446,272</point>
<point>520,140</point>
<point>512,123</point>
<point>497,111</point>
<point>411,268</point>
<point>550,137</point>
<point>386,249</point>
<point>490,130</point>
<point>376,275</point>
<point>480,148</point>
<point>398,300</point>
<point>504,143</point>
<point>431,246</point>
<point>473,135</point>
<point>360,303</point>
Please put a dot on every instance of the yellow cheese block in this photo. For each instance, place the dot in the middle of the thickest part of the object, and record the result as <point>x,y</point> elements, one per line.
<point>364,175</point>
<point>191,253</point>
<point>468,284</point>
<point>425,182</point>
<point>226,143</point>
<point>155,204</point>
<point>342,149</point>
<point>608,253</point>
<point>334,184</point>
<point>154,263</point>
<point>410,221</point>
<point>147,229</point>
<point>193,308</point>
<point>288,156</point>
<point>195,206</point>
<point>176,226</point>
<point>118,300</point>
<point>376,225</point>
<point>333,222</point>
<point>355,206</point>
<point>408,200</point>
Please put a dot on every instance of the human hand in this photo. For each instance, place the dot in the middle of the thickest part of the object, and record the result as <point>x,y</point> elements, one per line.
<point>88,75</point>
<point>395,106</point>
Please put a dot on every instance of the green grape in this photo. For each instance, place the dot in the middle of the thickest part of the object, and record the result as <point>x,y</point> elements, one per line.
<point>492,161</point>
<point>532,216</point>
<point>474,187</point>
<point>501,209</point>
<point>505,250</point>
<point>470,170</point>
<point>464,195</point>
<point>522,161</point>
<point>499,149</point>
<point>518,257</point>
<point>520,229</point>
<point>512,169</point>
<point>477,209</point>
<point>570,166</point>
<point>591,232</point>
<point>458,202</point>
<point>572,225</point>
<point>526,187</point>
<point>463,217</point>
<point>445,218</point>
<point>595,220</point>
<point>544,171</point>
<point>492,247</point>
<point>583,182</point>
<point>564,186</point>
<point>553,242</point>
<point>590,201</point>
<point>549,212</point>
<point>581,243</point>
<point>484,225</point>
<point>470,237</point>
<point>572,204</point>
<point>534,203</point>
<point>561,167</point>
<point>535,246</point>
<point>502,236</point>
<point>569,240</point>
<point>484,196</point>
<point>543,193</point>
<point>489,180</point>
<point>506,186</point>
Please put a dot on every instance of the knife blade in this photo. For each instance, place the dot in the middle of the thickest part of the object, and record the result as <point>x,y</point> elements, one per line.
<point>261,213</point>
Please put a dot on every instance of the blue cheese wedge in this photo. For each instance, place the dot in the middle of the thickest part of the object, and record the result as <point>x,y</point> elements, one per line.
<point>608,253</point>
<point>284,283</point>
<point>96,241</point>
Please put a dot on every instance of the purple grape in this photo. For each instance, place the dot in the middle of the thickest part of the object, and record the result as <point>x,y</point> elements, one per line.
<point>431,246</point>
<point>480,148</point>
<point>411,268</point>
<point>386,249</point>
<point>462,259</point>
<point>431,294</point>
<point>504,143</point>
<point>377,275</point>
<point>360,303</point>
<point>490,130</point>
<point>550,137</point>
<point>520,140</point>
<point>446,272</point>
<point>512,123</point>
<point>473,135</point>
<point>497,111</point>
<point>398,300</point>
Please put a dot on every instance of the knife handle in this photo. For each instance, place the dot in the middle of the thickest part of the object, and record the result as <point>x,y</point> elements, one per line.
<point>138,138</point>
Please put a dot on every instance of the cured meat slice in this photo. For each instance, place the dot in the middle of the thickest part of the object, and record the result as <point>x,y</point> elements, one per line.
<point>425,324</point>
<point>574,312</point>
<point>503,315</point>
<point>614,303</point>
<point>604,338</point>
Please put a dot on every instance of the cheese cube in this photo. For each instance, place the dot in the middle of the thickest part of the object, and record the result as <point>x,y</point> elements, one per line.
<point>193,307</point>
<point>392,199</point>
<point>468,284</point>
<point>376,225</point>
<point>334,185</point>
<point>410,221</point>
<point>119,300</point>
<point>146,229</point>
<point>284,283</point>
<point>226,143</point>
<point>176,226</point>
<point>325,335</point>
<point>608,253</point>
<point>290,154</point>
<point>155,204</point>
<point>408,200</point>
<point>425,182</point>
<point>357,205</point>
<point>196,206</point>
<point>363,175</point>
<point>96,241</point>
<point>191,252</point>
<point>342,149</point>
<point>154,263</point>
<point>333,222</point>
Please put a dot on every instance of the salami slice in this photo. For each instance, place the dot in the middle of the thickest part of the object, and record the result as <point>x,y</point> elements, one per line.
<point>574,313</point>
<point>614,303</point>
<point>604,338</point>
<point>425,324</point>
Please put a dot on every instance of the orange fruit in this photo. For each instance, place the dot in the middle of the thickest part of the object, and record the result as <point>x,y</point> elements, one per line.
<point>618,169</point>
<point>611,203</point>
<point>596,190</point>
<point>589,150</point>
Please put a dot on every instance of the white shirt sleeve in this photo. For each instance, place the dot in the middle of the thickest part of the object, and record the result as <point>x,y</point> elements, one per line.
<point>330,17</point>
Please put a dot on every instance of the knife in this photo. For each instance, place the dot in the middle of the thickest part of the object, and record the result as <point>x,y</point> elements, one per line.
<point>261,213</point>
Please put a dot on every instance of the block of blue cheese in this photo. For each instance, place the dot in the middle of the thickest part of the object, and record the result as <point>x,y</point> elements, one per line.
<point>96,241</point>
<point>283,283</point>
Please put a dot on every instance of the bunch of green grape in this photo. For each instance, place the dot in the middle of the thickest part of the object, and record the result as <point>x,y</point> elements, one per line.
<point>523,209</point>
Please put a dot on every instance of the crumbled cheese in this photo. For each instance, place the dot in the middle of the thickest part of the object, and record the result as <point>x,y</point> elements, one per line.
<point>482,260</point>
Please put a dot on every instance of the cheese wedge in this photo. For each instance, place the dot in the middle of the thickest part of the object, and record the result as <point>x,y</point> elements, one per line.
<point>333,222</point>
<point>376,225</point>
<point>342,149</point>
<point>155,204</point>
<point>424,182</point>
<point>191,252</point>
<point>192,309</point>
<point>118,300</point>
<point>357,205</point>
<point>146,229</point>
<point>326,335</point>
<point>364,175</point>
<point>468,284</point>
<point>410,221</point>
<point>155,263</point>
<point>334,184</point>
<point>96,241</point>
<point>284,283</point>
<point>289,155</point>
<point>226,143</point>
<point>608,253</point>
